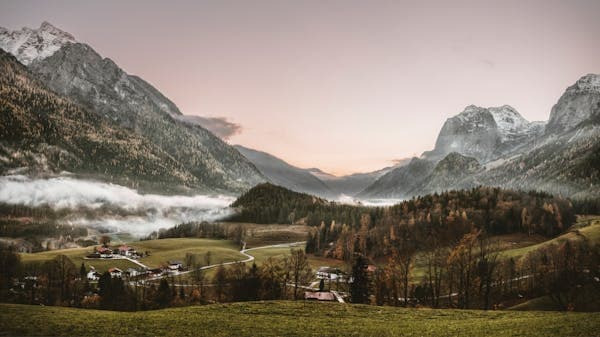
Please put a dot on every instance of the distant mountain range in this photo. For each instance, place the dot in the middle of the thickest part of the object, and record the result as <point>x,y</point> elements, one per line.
<point>311,180</point>
<point>133,106</point>
<point>281,173</point>
<point>66,108</point>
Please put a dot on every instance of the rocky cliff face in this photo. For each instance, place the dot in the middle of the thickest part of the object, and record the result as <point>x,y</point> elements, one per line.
<point>484,133</point>
<point>575,105</point>
<point>78,72</point>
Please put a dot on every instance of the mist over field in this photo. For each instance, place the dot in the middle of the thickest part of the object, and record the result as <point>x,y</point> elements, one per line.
<point>129,211</point>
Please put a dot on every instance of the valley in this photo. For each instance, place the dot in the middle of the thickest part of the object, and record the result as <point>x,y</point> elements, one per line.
<point>299,169</point>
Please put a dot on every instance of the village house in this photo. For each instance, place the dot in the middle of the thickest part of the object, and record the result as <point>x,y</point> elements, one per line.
<point>132,272</point>
<point>115,272</point>
<point>127,251</point>
<point>175,265</point>
<point>93,275</point>
<point>329,273</point>
<point>104,252</point>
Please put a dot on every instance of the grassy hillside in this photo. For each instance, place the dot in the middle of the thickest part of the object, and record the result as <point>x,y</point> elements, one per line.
<point>586,228</point>
<point>292,319</point>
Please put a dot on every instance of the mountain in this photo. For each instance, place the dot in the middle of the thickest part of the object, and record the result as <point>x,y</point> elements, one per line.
<point>46,132</point>
<point>484,133</point>
<point>399,182</point>
<point>423,176</point>
<point>28,45</point>
<point>562,157</point>
<point>283,174</point>
<point>565,159</point>
<point>311,180</point>
<point>76,71</point>
<point>449,173</point>
<point>575,105</point>
<point>351,184</point>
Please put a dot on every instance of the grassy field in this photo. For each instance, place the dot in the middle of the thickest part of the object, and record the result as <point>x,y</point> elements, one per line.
<point>588,227</point>
<point>283,318</point>
<point>76,255</point>
<point>175,249</point>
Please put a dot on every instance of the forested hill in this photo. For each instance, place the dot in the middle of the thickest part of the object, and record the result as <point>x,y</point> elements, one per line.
<point>445,216</point>
<point>267,203</point>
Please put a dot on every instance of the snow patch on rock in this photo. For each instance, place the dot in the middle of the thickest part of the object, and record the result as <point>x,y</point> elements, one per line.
<point>29,45</point>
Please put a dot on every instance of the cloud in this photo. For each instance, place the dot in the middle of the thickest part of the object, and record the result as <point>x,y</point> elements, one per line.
<point>220,126</point>
<point>138,214</point>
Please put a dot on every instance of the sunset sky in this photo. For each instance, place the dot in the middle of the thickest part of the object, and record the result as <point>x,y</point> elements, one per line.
<point>346,86</point>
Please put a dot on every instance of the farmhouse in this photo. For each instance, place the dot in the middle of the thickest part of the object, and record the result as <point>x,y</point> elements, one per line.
<point>131,272</point>
<point>93,275</point>
<point>115,272</point>
<point>330,273</point>
<point>127,251</point>
<point>104,252</point>
<point>175,265</point>
<point>319,296</point>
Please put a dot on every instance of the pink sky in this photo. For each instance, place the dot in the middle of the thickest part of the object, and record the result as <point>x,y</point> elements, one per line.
<point>346,86</point>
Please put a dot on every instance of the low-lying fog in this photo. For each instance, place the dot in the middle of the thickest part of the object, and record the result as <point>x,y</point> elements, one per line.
<point>141,213</point>
<point>122,209</point>
<point>346,199</point>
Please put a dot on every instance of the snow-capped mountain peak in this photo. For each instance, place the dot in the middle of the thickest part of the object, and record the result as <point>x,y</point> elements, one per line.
<point>508,119</point>
<point>484,133</point>
<point>29,44</point>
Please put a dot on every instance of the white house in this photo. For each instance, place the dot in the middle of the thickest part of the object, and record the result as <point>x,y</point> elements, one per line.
<point>104,252</point>
<point>131,272</point>
<point>115,272</point>
<point>175,265</point>
<point>92,275</point>
<point>330,273</point>
<point>127,251</point>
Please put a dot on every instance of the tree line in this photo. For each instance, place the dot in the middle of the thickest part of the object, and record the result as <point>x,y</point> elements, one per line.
<point>203,229</point>
<point>473,274</point>
<point>443,217</point>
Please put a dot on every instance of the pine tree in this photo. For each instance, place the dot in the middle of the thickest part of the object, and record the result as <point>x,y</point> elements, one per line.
<point>359,286</point>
